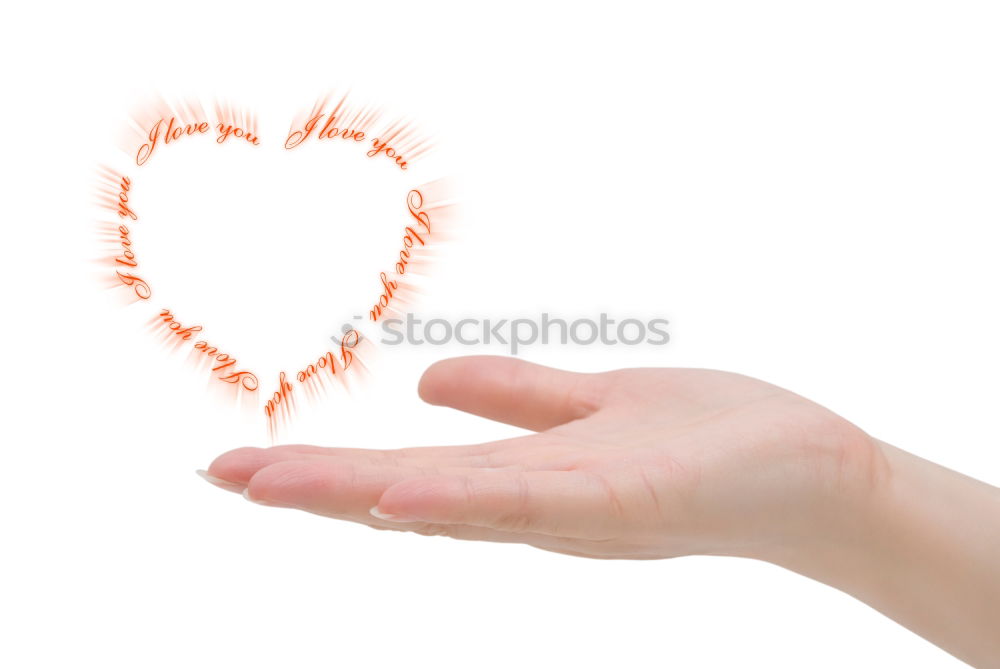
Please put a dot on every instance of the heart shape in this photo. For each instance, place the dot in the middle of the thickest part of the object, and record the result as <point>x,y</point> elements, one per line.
<point>372,186</point>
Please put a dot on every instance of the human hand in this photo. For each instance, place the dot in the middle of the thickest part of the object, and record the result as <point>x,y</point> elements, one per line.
<point>655,463</point>
<point>638,463</point>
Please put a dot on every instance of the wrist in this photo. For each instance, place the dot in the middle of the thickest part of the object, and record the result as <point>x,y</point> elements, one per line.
<point>834,510</point>
<point>851,532</point>
<point>921,547</point>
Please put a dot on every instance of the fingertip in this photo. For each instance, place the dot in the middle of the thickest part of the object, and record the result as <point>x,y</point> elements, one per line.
<point>426,499</point>
<point>382,515</point>
<point>288,482</point>
<point>231,486</point>
<point>428,388</point>
<point>440,381</point>
<point>323,487</point>
<point>238,465</point>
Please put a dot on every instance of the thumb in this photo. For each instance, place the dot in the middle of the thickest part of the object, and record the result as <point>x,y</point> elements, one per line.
<point>511,391</point>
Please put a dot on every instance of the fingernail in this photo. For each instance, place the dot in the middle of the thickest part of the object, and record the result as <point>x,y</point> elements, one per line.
<point>247,497</point>
<point>221,483</point>
<point>388,516</point>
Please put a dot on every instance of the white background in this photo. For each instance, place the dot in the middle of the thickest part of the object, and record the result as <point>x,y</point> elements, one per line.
<point>807,191</point>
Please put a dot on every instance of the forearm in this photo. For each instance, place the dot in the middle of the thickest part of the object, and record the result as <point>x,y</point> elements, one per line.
<point>925,551</point>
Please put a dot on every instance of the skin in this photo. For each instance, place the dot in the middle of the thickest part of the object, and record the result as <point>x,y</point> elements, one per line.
<point>659,463</point>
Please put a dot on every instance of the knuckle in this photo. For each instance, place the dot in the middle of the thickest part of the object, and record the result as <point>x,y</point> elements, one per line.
<point>519,517</point>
